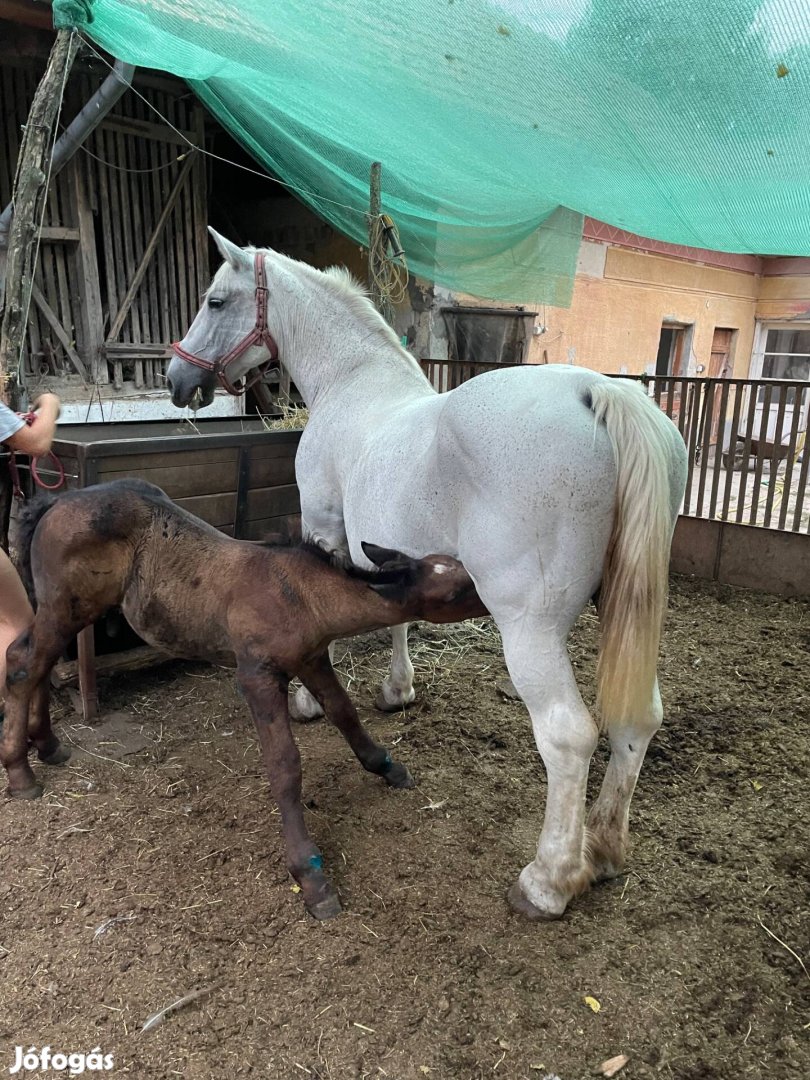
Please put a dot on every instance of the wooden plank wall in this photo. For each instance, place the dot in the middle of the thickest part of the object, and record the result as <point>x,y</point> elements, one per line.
<point>212,483</point>
<point>101,215</point>
<point>135,166</point>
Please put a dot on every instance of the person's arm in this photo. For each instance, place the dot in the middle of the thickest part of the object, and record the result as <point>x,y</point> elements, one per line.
<point>36,438</point>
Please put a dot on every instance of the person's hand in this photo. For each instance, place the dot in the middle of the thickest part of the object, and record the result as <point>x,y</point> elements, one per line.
<point>49,403</point>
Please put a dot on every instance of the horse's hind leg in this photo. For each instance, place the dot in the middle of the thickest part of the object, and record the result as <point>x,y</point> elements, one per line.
<point>320,679</point>
<point>29,662</point>
<point>266,693</point>
<point>608,822</point>
<point>49,749</point>
<point>566,737</point>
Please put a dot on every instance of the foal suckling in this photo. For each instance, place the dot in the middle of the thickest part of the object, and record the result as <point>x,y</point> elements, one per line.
<point>194,593</point>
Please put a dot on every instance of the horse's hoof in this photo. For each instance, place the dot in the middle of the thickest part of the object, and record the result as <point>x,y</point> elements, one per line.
<point>33,792</point>
<point>327,908</point>
<point>382,703</point>
<point>303,707</point>
<point>398,776</point>
<point>58,756</point>
<point>519,904</point>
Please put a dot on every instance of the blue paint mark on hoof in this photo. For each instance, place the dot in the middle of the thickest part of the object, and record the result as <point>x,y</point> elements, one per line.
<point>316,862</point>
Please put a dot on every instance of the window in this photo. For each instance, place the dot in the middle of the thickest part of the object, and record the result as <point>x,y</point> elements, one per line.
<point>786,355</point>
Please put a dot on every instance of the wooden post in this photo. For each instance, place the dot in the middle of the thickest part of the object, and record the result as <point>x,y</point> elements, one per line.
<point>88,691</point>
<point>28,198</point>
<point>375,210</point>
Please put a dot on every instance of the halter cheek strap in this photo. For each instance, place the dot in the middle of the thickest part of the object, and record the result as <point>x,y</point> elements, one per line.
<point>259,335</point>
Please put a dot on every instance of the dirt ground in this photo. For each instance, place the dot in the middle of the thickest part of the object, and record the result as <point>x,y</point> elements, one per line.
<point>698,957</point>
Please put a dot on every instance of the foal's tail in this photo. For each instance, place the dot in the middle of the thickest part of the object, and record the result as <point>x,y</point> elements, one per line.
<point>31,515</point>
<point>633,593</point>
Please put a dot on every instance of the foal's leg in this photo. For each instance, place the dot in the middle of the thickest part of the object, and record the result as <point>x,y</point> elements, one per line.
<point>319,677</point>
<point>40,733</point>
<point>397,690</point>
<point>395,693</point>
<point>30,659</point>
<point>608,822</point>
<point>566,737</point>
<point>266,693</point>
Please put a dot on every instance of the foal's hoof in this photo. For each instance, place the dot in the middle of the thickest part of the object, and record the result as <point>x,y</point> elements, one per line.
<point>57,755</point>
<point>327,908</point>
<point>397,776</point>
<point>519,904</point>
<point>32,792</point>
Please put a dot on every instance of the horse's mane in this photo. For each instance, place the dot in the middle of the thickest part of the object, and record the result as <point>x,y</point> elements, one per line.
<point>342,284</point>
<point>400,574</point>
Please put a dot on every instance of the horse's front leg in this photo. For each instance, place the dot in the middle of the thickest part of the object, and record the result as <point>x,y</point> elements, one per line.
<point>397,690</point>
<point>266,693</point>
<point>319,677</point>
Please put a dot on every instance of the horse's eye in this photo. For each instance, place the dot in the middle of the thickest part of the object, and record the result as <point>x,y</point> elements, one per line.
<point>215,301</point>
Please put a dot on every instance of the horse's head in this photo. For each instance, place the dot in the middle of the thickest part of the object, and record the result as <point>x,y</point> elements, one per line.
<point>228,336</point>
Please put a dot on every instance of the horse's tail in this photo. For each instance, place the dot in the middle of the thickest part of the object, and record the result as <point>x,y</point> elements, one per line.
<point>30,517</point>
<point>633,592</point>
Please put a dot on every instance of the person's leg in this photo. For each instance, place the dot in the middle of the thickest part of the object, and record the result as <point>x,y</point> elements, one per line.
<point>15,613</point>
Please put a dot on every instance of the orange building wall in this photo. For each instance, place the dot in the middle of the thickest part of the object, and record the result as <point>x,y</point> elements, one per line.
<point>621,298</point>
<point>784,297</point>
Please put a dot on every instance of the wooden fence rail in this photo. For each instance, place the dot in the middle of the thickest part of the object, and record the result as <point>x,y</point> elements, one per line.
<point>748,458</point>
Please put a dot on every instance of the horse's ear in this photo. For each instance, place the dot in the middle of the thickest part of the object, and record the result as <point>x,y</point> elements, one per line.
<point>381,555</point>
<point>237,257</point>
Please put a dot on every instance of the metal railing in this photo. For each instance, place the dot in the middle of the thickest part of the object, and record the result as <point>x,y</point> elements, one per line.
<point>448,374</point>
<point>746,442</point>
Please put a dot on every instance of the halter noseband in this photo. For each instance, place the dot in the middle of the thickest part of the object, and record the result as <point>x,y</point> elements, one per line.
<point>259,335</point>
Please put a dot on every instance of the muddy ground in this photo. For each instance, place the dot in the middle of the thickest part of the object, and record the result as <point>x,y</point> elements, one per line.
<point>696,956</point>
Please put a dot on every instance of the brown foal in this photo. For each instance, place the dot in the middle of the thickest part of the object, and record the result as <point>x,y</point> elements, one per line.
<point>194,593</point>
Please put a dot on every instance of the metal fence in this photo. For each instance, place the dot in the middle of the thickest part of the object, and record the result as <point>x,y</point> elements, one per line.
<point>748,460</point>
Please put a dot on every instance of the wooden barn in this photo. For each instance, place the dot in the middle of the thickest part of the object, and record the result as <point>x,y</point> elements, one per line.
<point>124,253</point>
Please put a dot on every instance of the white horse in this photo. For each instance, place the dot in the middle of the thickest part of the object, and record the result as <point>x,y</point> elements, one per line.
<point>552,485</point>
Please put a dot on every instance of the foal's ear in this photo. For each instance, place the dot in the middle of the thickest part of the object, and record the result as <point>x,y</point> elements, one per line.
<point>381,555</point>
<point>237,257</point>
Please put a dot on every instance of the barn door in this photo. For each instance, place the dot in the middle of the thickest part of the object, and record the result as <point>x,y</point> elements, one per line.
<point>152,244</point>
<point>720,367</point>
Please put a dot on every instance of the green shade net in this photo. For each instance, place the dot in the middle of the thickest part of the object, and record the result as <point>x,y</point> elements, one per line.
<point>499,123</point>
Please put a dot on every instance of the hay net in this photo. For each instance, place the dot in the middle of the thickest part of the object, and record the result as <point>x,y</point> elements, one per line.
<point>500,123</point>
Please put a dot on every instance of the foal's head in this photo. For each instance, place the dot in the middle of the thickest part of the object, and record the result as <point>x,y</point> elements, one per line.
<point>436,588</point>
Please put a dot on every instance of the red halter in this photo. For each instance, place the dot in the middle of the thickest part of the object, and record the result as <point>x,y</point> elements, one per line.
<point>259,335</point>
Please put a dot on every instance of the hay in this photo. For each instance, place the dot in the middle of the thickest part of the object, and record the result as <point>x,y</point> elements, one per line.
<point>433,649</point>
<point>293,418</point>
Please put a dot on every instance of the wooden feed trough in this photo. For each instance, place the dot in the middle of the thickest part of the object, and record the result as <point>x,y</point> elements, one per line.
<point>232,473</point>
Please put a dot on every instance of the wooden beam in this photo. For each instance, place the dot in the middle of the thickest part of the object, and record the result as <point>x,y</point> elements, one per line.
<point>128,125</point>
<point>59,234</point>
<point>61,334</point>
<point>88,690</point>
<point>85,264</point>
<point>29,194</point>
<point>66,672</point>
<point>120,318</point>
